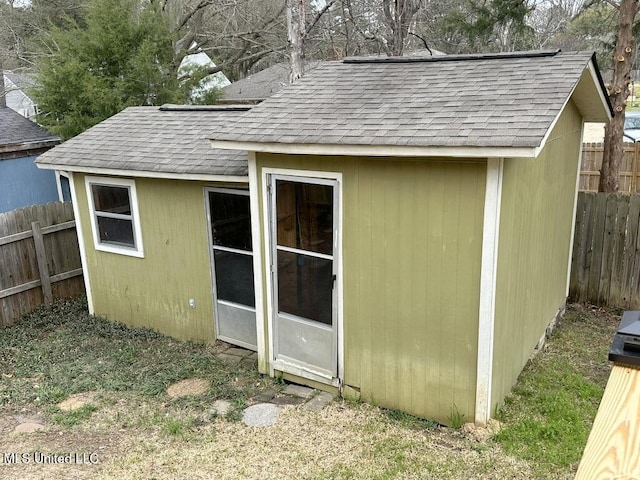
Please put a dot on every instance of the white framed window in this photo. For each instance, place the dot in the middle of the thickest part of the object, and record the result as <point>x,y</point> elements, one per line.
<point>115,222</point>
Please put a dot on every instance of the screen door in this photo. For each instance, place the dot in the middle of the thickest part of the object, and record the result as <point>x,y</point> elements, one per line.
<point>232,264</point>
<point>304,240</point>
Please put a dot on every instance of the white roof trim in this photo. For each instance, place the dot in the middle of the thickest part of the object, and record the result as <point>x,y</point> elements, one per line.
<point>602,93</point>
<point>591,69</point>
<point>377,150</point>
<point>147,174</point>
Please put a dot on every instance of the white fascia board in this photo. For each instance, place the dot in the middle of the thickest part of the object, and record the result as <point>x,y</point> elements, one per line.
<point>601,93</point>
<point>81,243</point>
<point>488,277</point>
<point>147,174</point>
<point>594,77</point>
<point>254,203</point>
<point>377,150</point>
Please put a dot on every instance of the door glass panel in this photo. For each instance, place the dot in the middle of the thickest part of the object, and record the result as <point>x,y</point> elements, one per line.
<point>305,286</point>
<point>234,277</point>
<point>305,216</point>
<point>230,220</point>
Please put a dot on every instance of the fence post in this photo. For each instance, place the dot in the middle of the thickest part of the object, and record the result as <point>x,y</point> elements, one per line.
<point>43,268</point>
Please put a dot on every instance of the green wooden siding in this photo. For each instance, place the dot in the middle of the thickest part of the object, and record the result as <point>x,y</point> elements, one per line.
<point>154,291</point>
<point>534,243</point>
<point>412,243</point>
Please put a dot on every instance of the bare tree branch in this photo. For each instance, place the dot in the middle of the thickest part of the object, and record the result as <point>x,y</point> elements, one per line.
<point>318,16</point>
<point>426,45</point>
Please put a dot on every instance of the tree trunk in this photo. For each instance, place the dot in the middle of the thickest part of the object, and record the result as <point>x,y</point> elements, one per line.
<point>618,93</point>
<point>398,15</point>
<point>296,29</point>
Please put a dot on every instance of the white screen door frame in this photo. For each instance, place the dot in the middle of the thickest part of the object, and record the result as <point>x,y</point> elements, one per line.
<point>290,334</point>
<point>235,322</point>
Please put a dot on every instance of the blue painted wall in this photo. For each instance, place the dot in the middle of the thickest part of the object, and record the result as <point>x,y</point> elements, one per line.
<point>23,184</point>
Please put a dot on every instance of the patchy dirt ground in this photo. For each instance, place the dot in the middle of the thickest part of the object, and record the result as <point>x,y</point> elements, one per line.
<point>341,441</point>
<point>99,389</point>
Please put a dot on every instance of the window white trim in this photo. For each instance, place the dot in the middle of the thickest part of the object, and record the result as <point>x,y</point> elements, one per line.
<point>137,250</point>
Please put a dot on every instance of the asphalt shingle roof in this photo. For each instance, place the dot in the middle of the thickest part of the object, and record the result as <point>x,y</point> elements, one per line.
<point>18,131</point>
<point>154,139</point>
<point>451,101</point>
<point>262,84</point>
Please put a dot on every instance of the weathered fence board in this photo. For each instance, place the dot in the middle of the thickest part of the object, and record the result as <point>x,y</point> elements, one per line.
<point>605,265</point>
<point>592,162</point>
<point>39,259</point>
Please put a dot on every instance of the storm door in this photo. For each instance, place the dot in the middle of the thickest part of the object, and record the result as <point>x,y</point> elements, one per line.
<point>304,242</point>
<point>232,266</point>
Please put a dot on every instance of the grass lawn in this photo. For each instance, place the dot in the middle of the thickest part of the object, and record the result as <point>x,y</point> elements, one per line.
<point>135,430</point>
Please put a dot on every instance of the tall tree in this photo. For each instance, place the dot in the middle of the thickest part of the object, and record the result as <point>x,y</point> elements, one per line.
<point>90,72</point>
<point>388,23</point>
<point>492,25</point>
<point>618,93</point>
<point>296,25</point>
<point>399,15</point>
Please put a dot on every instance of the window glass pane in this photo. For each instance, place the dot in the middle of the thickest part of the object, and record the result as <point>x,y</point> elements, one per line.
<point>234,277</point>
<point>116,231</point>
<point>111,199</point>
<point>230,220</point>
<point>305,216</point>
<point>305,286</point>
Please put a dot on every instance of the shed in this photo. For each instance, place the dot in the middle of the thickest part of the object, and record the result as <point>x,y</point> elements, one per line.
<point>416,220</point>
<point>141,184</point>
<point>399,231</point>
<point>21,183</point>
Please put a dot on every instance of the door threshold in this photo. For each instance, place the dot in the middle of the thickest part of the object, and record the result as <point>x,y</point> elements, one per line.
<point>282,364</point>
<point>307,382</point>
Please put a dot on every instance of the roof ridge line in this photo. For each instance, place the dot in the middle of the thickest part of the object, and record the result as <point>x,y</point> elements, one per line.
<point>168,107</point>
<point>455,58</point>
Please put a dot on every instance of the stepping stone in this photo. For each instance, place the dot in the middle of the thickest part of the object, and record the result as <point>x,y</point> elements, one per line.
<point>253,356</point>
<point>190,386</point>
<point>76,401</point>
<point>29,427</point>
<point>229,358</point>
<point>260,415</point>
<point>318,402</point>
<point>265,396</point>
<point>299,391</point>
<point>221,407</point>
<point>238,352</point>
<point>287,400</point>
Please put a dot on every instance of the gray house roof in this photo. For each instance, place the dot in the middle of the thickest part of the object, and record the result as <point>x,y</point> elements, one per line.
<point>450,104</point>
<point>18,134</point>
<point>260,85</point>
<point>152,141</point>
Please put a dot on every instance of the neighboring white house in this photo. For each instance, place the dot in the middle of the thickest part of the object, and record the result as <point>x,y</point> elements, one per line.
<point>201,59</point>
<point>16,85</point>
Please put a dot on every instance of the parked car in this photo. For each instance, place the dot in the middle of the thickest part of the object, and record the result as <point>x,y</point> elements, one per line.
<point>632,126</point>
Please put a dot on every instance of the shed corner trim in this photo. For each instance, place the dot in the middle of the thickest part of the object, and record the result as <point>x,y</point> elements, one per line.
<point>488,274</point>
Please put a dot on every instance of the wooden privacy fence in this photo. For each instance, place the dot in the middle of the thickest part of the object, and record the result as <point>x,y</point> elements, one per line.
<point>605,265</point>
<point>592,162</point>
<point>39,259</point>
